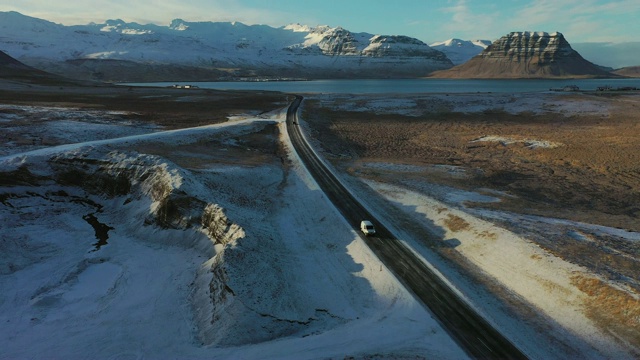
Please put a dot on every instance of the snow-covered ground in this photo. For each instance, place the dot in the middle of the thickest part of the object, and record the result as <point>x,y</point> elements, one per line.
<point>202,258</point>
<point>217,248</point>
<point>546,282</point>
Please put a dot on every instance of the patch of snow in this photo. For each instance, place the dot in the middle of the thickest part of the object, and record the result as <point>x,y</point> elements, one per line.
<point>104,54</point>
<point>298,28</point>
<point>541,278</point>
<point>530,143</point>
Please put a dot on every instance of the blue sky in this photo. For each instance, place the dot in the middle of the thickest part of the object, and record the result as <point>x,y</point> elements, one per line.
<point>427,20</point>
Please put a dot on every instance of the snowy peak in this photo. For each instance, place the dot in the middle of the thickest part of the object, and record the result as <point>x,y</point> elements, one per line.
<point>481,43</point>
<point>178,24</point>
<point>338,41</point>
<point>460,51</point>
<point>298,28</point>
<point>16,22</point>
<point>119,26</point>
<point>459,43</point>
<point>328,41</point>
<point>394,45</point>
<point>341,42</point>
<point>396,39</point>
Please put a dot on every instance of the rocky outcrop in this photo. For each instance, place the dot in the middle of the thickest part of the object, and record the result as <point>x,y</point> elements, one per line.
<point>527,55</point>
<point>337,42</point>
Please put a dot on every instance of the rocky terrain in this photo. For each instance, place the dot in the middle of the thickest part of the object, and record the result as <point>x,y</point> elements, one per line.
<point>526,55</point>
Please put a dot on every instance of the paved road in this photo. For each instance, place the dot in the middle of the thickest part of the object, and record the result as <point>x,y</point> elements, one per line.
<point>471,331</point>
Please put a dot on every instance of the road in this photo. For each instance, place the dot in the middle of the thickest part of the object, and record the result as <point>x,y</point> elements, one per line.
<point>472,332</point>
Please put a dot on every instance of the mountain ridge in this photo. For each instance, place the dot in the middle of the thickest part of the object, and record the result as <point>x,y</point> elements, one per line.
<point>120,51</point>
<point>231,49</point>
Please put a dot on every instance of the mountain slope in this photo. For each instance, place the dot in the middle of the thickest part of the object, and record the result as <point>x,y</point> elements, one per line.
<point>14,70</point>
<point>234,48</point>
<point>629,71</point>
<point>614,55</point>
<point>527,55</point>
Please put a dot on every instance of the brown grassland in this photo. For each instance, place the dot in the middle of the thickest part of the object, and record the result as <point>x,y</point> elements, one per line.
<point>592,176</point>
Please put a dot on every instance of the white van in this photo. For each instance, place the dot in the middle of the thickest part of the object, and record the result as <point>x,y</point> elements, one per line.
<point>367,227</point>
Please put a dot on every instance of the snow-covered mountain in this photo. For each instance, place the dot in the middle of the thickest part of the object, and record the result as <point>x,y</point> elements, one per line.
<point>460,51</point>
<point>232,47</point>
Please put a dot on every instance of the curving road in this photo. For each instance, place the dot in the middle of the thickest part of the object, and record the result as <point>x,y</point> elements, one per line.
<point>472,332</point>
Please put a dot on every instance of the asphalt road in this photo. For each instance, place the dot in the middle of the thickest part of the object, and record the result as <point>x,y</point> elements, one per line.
<point>472,332</point>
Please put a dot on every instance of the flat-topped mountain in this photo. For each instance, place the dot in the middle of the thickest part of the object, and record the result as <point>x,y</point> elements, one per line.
<point>527,55</point>
<point>192,51</point>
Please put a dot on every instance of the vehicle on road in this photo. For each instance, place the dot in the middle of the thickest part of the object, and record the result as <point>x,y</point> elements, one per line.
<point>367,227</point>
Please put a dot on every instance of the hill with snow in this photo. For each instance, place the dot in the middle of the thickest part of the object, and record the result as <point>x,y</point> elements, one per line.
<point>223,49</point>
<point>460,51</point>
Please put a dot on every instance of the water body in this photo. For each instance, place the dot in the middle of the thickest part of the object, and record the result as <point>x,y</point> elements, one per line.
<point>381,86</point>
<point>101,230</point>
